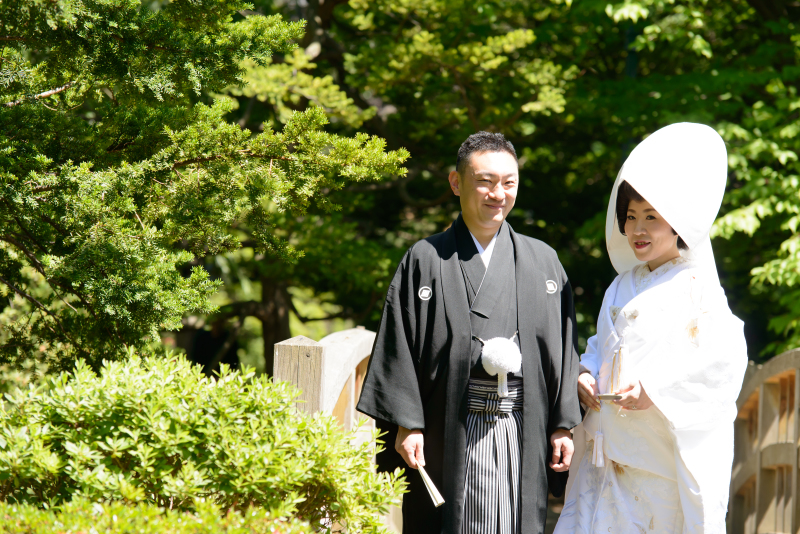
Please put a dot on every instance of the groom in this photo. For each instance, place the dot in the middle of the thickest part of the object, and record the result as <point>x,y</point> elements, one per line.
<point>427,385</point>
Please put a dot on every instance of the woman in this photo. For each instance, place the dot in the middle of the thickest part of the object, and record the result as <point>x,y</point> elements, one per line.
<point>658,458</point>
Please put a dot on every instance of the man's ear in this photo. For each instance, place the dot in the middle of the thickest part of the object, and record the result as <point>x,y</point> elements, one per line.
<point>454,180</point>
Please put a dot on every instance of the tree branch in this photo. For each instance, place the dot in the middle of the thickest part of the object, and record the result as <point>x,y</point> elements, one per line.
<point>149,46</point>
<point>140,221</point>
<point>52,223</point>
<point>249,308</point>
<point>36,263</point>
<point>246,153</point>
<point>30,236</point>
<point>51,92</point>
<point>39,267</point>
<point>72,290</point>
<point>33,300</point>
<point>305,320</point>
<point>184,163</point>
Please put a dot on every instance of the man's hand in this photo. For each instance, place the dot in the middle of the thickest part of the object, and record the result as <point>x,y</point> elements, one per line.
<point>634,397</point>
<point>409,444</point>
<point>563,450</point>
<point>587,391</point>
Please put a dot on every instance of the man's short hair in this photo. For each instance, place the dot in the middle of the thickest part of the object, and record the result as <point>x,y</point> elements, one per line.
<point>483,142</point>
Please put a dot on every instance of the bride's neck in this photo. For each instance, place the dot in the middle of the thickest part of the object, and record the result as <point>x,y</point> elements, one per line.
<point>664,258</point>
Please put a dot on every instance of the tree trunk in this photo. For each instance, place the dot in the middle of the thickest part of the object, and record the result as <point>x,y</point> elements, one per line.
<point>275,319</point>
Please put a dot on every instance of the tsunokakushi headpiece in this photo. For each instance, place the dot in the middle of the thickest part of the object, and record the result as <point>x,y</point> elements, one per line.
<point>681,170</point>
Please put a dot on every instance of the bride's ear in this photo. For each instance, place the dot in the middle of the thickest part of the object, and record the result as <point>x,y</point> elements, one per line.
<point>681,243</point>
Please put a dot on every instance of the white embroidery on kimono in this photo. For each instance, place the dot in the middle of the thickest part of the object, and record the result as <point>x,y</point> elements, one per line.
<point>657,327</point>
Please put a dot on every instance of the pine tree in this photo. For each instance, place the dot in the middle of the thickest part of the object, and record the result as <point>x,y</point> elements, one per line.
<point>119,170</point>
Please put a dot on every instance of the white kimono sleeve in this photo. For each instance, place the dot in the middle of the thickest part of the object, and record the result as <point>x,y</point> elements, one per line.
<point>699,373</point>
<point>695,385</point>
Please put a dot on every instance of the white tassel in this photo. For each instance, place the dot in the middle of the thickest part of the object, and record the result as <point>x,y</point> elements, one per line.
<point>597,450</point>
<point>502,385</point>
<point>501,356</point>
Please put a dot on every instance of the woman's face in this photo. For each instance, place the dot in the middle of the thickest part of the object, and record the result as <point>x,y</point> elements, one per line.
<point>649,235</point>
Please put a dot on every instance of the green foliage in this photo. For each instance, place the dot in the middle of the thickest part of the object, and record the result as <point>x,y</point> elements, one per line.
<point>615,72</point>
<point>765,159</point>
<point>118,518</point>
<point>118,174</point>
<point>407,66</point>
<point>437,72</point>
<point>21,376</point>
<point>674,24</point>
<point>288,85</point>
<point>573,85</point>
<point>461,66</point>
<point>158,431</point>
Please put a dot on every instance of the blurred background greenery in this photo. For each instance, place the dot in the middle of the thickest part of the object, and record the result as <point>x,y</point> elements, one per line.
<point>573,84</point>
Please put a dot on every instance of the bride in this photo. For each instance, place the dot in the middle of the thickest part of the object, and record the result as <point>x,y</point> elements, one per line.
<point>658,454</point>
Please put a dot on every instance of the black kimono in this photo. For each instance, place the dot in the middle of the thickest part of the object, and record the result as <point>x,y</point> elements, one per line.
<point>424,355</point>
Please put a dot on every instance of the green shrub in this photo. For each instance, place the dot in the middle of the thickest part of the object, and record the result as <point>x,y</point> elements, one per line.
<point>82,516</point>
<point>22,375</point>
<point>158,430</point>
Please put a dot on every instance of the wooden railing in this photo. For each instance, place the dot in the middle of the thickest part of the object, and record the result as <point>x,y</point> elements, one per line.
<point>764,482</point>
<point>330,374</point>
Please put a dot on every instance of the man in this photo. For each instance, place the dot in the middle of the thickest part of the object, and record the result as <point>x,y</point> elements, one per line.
<point>427,385</point>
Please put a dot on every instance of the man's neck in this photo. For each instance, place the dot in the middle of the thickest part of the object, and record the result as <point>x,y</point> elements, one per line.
<point>483,235</point>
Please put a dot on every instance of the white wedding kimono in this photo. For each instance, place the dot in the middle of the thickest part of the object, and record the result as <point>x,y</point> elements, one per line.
<point>665,469</point>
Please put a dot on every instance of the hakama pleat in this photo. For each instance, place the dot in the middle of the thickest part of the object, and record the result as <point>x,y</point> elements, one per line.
<point>492,482</point>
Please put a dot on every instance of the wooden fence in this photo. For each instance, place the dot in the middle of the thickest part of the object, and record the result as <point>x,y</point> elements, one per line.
<point>330,374</point>
<point>764,481</point>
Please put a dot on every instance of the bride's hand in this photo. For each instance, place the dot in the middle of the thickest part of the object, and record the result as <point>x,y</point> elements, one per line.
<point>587,391</point>
<point>634,397</point>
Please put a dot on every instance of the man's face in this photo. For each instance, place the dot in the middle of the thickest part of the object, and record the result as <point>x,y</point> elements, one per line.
<point>487,188</point>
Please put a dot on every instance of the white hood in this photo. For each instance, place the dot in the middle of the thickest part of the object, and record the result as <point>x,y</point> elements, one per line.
<point>681,170</point>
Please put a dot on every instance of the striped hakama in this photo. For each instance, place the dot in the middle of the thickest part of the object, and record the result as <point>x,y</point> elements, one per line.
<point>494,446</point>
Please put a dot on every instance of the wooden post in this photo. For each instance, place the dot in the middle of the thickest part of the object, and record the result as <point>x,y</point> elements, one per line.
<point>344,407</point>
<point>330,375</point>
<point>795,433</point>
<point>765,478</point>
<point>300,360</point>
